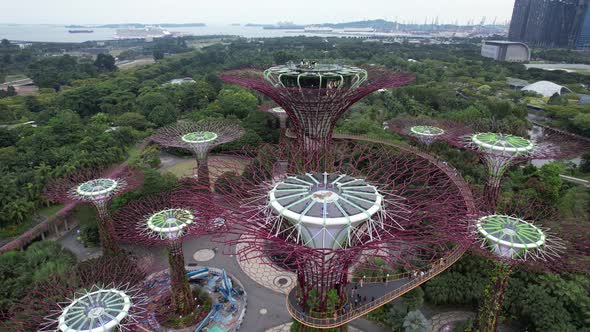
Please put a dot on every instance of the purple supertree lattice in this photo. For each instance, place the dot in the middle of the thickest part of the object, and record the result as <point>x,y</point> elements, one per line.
<point>514,237</point>
<point>94,186</point>
<point>499,151</point>
<point>426,130</point>
<point>314,96</point>
<point>199,138</point>
<point>165,220</point>
<point>358,204</point>
<point>99,294</point>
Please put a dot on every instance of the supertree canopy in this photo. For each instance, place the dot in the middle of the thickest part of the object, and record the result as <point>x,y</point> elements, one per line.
<point>102,294</point>
<point>315,95</point>
<point>511,240</point>
<point>95,187</point>
<point>164,220</point>
<point>500,151</point>
<point>199,138</point>
<point>358,203</point>
<point>425,130</point>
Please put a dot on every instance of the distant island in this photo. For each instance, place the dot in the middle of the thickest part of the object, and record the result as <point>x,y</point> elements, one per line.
<point>378,24</point>
<point>137,25</point>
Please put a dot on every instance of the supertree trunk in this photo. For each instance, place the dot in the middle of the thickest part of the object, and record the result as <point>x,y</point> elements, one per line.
<point>203,170</point>
<point>182,300</point>
<point>319,278</point>
<point>496,167</point>
<point>108,242</point>
<point>492,191</point>
<point>491,306</point>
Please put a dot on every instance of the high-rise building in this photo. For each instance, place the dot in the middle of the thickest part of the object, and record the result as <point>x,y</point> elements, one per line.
<point>550,23</point>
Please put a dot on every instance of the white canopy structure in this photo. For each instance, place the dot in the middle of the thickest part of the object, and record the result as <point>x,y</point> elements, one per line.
<point>546,88</point>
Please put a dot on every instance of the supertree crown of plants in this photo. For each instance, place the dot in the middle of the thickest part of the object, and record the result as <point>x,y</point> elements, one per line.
<point>425,130</point>
<point>97,187</point>
<point>198,137</point>
<point>315,95</point>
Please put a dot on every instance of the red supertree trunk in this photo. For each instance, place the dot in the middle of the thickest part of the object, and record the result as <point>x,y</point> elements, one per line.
<point>182,299</point>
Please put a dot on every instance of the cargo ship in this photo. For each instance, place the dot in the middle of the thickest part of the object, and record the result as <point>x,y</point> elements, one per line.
<point>81,31</point>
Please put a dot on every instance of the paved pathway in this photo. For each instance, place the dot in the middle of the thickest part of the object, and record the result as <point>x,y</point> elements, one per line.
<point>287,328</point>
<point>440,321</point>
<point>275,279</point>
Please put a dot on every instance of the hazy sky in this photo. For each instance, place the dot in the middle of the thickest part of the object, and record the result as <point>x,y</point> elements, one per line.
<point>254,11</point>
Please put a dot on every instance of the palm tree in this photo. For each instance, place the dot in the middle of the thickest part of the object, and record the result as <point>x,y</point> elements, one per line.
<point>415,322</point>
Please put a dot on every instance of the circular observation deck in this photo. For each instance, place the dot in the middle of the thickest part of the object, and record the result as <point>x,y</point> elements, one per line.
<point>98,311</point>
<point>169,223</point>
<point>97,189</point>
<point>199,137</point>
<point>428,131</point>
<point>508,236</point>
<point>313,75</point>
<point>502,144</point>
<point>325,208</point>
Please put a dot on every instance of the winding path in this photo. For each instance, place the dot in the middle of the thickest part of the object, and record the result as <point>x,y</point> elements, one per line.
<point>376,293</point>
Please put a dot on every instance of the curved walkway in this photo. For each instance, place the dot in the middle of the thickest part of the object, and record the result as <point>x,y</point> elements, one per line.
<point>376,293</point>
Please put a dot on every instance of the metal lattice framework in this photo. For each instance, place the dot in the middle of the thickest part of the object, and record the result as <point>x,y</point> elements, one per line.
<point>165,220</point>
<point>499,152</point>
<point>315,96</point>
<point>97,187</point>
<point>409,212</point>
<point>426,130</point>
<point>103,294</point>
<point>199,138</point>
<point>511,239</point>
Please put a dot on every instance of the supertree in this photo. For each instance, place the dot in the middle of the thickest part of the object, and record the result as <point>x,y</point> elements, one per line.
<point>164,220</point>
<point>512,240</point>
<point>498,152</point>
<point>276,111</point>
<point>103,294</point>
<point>199,138</point>
<point>426,130</point>
<point>98,188</point>
<point>314,96</point>
<point>358,203</point>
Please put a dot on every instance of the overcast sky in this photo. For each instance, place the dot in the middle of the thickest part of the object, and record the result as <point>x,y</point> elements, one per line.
<point>249,11</point>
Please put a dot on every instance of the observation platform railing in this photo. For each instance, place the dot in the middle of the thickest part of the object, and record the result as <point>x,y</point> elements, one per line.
<point>356,312</point>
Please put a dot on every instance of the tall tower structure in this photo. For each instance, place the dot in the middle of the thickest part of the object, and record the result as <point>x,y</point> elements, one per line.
<point>549,23</point>
<point>314,96</point>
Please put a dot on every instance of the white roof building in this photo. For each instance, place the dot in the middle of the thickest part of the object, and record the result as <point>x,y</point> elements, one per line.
<point>546,88</point>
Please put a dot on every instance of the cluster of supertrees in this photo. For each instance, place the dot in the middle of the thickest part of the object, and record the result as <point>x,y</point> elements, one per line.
<point>510,235</point>
<point>497,151</point>
<point>318,207</point>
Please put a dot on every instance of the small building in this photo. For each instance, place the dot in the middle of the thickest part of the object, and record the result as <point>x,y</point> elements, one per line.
<point>501,50</point>
<point>177,81</point>
<point>546,88</point>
